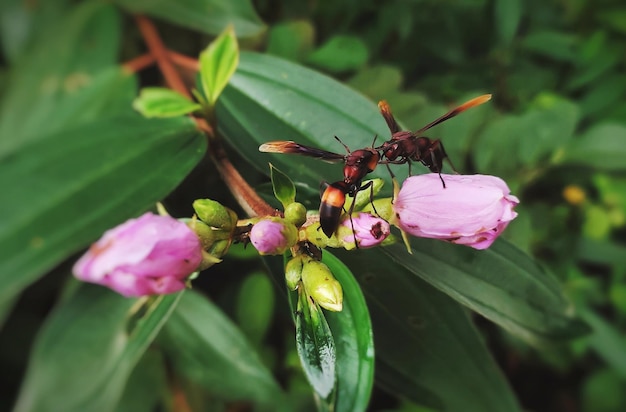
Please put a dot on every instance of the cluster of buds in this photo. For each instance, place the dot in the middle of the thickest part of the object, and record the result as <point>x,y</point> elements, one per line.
<point>157,254</point>
<point>316,279</point>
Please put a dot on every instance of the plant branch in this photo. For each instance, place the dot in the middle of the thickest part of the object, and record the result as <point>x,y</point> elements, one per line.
<point>139,63</point>
<point>244,194</point>
<point>158,50</point>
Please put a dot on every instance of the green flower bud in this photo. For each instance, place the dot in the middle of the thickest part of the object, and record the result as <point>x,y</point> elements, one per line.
<point>204,232</point>
<point>321,286</point>
<point>295,213</point>
<point>384,209</point>
<point>214,214</point>
<point>293,271</point>
<point>364,197</point>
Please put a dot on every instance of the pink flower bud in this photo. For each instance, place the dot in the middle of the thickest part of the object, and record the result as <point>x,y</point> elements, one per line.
<point>145,256</point>
<point>369,230</point>
<point>273,236</point>
<point>471,210</point>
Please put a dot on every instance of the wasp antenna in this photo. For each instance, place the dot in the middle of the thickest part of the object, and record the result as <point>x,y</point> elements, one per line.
<point>476,101</point>
<point>374,141</point>
<point>344,145</point>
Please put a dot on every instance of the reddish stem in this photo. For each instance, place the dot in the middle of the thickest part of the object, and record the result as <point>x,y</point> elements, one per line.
<point>245,195</point>
<point>157,49</point>
<point>139,63</point>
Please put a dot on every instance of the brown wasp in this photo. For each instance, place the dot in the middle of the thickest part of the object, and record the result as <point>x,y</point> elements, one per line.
<point>406,146</point>
<point>357,164</point>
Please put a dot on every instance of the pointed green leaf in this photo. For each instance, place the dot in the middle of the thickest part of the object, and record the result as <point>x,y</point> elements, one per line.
<point>315,345</point>
<point>426,346</point>
<point>76,366</point>
<point>507,16</point>
<point>218,63</point>
<point>501,283</point>
<point>162,102</point>
<point>205,346</point>
<point>284,189</point>
<point>354,342</point>
<point>64,190</point>
<point>206,16</point>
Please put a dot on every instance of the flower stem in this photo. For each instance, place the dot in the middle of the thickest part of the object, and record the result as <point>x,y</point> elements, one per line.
<point>244,194</point>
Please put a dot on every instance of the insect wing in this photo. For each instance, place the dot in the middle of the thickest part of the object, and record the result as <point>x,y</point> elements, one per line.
<point>385,110</point>
<point>290,147</point>
<point>476,101</point>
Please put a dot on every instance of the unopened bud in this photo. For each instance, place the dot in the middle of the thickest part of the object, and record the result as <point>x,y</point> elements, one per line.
<point>295,213</point>
<point>273,236</point>
<point>293,271</point>
<point>214,214</point>
<point>321,285</point>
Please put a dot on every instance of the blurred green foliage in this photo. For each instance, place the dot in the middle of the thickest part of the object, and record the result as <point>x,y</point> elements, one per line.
<point>556,132</point>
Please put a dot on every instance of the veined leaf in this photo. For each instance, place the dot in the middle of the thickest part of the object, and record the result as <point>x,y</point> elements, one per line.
<point>354,342</point>
<point>426,346</point>
<point>76,366</point>
<point>208,348</point>
<point>284,189</point>
<point>162,102</point>
<point>218,63</point>
<point>207,16</point>
<point>65,189</point>
<point>315,345</point>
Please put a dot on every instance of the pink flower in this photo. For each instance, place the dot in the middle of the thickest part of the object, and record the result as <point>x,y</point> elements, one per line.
<point>145,256</point>
<point>471,210</point>
<point>273,236</point>
<point>369,230</point>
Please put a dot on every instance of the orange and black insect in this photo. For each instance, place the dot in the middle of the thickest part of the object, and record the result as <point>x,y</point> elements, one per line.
<point>406,146</point>
<point>357,164</point>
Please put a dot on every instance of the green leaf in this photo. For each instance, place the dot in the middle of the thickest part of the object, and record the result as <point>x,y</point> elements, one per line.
<point>82,181</point>
<point>603,146</point>
<point>377,82</point>
<point>146,385</point>
<point>269,99</point>
<point>22,24</point>
<point>501,283</point>
<point>426,346</point>
<point>507,15</point>
<point>207,16</point>
<point>340,54</point>
<point>614,18</point>
<point>68,79</point>
<point>218,63</point>
<point>162,102</point>
<point>291,40</point>
<point>354,342</point>
<point>255,306</point>
<point>552,44</point>
<point>603,391</point>
<point>76,366</point>
<point>551,122</point>
<point>206,347</point>
<point>606,341</point>
<point>284,189</point>
<point>315,345</point>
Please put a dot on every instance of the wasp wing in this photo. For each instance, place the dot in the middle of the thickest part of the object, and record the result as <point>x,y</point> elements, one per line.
<point>385,110</point>
<point>290,147</point>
